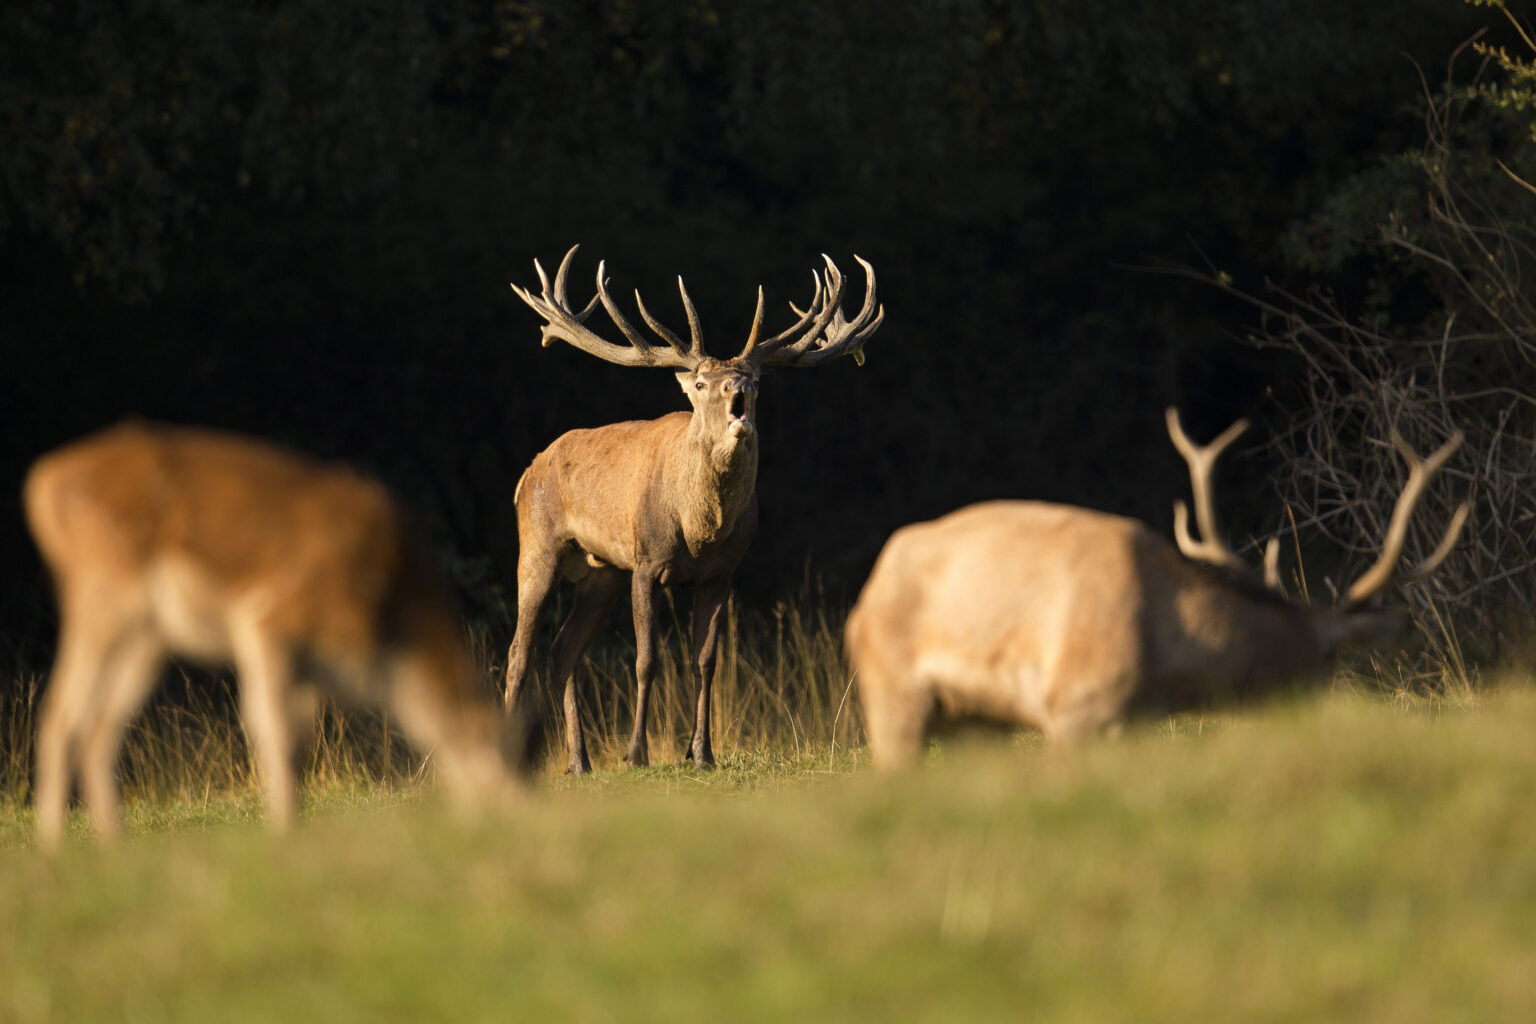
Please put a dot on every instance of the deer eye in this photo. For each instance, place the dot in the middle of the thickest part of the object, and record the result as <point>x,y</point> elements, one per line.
<point>699,385</point>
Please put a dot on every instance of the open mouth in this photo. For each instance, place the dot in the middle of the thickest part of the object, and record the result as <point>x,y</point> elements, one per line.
<point>736,413</point>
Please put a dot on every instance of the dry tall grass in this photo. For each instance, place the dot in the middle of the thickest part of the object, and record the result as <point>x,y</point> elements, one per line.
<point>782,687</point>
<point>783,691</point>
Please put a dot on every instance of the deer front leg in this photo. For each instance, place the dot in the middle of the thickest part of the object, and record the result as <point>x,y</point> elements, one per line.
<point>643,598</point>
<point>265,667</point>
<point>708,604</point>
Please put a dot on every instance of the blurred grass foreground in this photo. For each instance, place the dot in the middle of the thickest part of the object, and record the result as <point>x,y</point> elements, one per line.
<point>1361,855</point>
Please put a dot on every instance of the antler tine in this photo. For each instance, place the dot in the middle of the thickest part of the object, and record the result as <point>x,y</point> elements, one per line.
<point>824,305</point>
<point>1272,564</point>
<point>757,325</point>
<point>695,333</point>
<point>831,335</point>
<point>1384,571</point>
<point>618,318</point>
<point>1201,461</point>
<point>848,336</point>
<point>812,309</point>
<point>661,329</point>
<point>566,324</point>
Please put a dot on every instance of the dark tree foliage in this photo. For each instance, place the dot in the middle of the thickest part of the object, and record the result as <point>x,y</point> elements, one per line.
<point>299,218</point>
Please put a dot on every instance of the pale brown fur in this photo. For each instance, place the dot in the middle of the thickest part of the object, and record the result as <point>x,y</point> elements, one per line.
<point>167,541</point>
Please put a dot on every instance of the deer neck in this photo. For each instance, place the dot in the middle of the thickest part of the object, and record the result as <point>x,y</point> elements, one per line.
<point>714,481</point>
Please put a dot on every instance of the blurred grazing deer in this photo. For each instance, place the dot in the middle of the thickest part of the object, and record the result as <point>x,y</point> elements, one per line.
<point>1064,619</point>
<point>667,501</point>
<point>175,541</point>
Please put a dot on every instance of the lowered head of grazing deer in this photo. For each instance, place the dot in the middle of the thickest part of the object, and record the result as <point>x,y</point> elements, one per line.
<point>664,501</point>
<point>170,541</point>
<point>1066,619</point>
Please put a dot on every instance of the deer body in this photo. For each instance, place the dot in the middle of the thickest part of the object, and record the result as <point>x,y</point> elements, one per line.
<point>1065,620</point>
<point>670,501</point>
<point>167,541</point>
<point>645,492</point>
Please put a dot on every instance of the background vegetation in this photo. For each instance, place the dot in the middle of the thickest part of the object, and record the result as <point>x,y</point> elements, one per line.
<point>299,219</point>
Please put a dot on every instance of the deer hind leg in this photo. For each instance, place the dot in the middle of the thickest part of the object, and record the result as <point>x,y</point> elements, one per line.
<point>84,643</point>
<point>127,679</point>
<point>1089,680</point>
<point>708,608</point>
<point>896,717</point>
<point>643,601</point>
<point>1085,705</point>
<point>265,666</point>
<point>538,567</point>
<point>595,594</point>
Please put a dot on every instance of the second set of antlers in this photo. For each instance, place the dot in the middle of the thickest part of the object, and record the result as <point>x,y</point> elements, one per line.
<point>1382,573</point>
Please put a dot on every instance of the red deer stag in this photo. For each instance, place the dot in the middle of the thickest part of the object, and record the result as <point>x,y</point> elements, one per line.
<point>1064,619</point>
<point>176,541</point>
<point>670,501</point>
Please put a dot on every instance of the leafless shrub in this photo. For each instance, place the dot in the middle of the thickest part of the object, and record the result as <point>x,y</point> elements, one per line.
<point>1466,251</point>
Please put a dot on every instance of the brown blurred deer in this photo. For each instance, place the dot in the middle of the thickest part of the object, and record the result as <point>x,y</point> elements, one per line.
<point>1064,619</point>
<point>175,541</point>
<point>668,501</point>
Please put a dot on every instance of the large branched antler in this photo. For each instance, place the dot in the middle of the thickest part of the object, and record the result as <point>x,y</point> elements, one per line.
<point>822,333</point>
<point>1384,571</point>
<point>565,324</point>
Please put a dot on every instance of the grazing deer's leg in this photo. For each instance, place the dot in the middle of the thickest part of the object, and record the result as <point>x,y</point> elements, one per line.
<point>83,644</point>
<point>266,675</point>
<point>708,604</point>
<point>303,707</point>
<point>595,594</point>
<point>1085,706</point>
<point>895,720</point>
<point>123,686</point>
<point>643,599</point>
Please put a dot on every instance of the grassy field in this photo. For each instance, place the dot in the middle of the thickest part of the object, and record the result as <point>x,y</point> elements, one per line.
<point>1342,858</point>
<point>1363,855</point>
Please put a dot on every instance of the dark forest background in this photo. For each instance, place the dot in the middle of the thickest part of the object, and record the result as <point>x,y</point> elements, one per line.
<point>299,219</point>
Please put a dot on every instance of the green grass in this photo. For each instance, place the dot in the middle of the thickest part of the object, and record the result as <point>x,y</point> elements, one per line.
<point>1345,858</point>
<point>1366,855</point>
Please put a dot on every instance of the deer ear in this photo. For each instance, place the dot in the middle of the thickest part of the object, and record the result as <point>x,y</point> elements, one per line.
<point>685,379</point>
